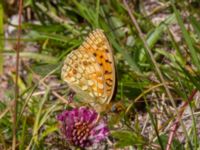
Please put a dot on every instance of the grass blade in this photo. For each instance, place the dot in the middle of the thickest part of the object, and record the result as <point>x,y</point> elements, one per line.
<point>196,25</point>
<point>188,39</point>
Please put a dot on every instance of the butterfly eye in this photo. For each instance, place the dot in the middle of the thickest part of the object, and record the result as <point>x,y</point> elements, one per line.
<point>117,107</point>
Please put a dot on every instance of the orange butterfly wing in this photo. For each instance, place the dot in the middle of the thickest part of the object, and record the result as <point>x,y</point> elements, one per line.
<point>90,69</point>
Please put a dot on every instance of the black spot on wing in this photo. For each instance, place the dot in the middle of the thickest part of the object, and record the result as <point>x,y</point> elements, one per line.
<point>109,82</point>
<point>107,72</point>
<point>108,61</point>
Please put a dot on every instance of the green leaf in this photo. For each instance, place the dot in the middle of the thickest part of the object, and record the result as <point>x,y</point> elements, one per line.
<point>127,138</point>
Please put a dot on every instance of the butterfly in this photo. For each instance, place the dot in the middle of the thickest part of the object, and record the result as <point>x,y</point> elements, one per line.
<point>90,70</point>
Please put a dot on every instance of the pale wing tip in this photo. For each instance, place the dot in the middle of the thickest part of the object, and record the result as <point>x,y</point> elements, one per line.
<point>99,31</point>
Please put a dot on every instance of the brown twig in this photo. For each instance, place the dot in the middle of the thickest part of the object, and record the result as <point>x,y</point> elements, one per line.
<point>176,123</point>
<point>17,75</point>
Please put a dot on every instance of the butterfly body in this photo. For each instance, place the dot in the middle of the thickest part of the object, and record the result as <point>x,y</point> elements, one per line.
<point>90,69</point>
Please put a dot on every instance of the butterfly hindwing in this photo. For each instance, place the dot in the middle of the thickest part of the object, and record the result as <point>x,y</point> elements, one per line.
<point>84,76</point>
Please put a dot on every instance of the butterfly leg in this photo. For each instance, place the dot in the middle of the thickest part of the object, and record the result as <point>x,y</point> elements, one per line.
<point>71,95</point>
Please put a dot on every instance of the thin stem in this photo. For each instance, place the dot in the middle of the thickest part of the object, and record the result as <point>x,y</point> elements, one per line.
<point>17,75</point>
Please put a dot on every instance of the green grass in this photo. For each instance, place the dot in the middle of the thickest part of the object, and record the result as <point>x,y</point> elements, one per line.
<point>147,114</point>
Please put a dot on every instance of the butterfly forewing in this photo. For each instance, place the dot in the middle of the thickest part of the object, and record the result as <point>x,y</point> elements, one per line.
<point>90,71</point>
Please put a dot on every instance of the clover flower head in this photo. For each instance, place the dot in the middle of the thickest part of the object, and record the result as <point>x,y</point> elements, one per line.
<point>82,127</point>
